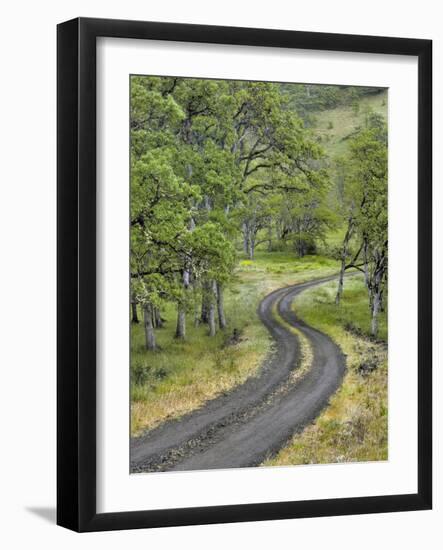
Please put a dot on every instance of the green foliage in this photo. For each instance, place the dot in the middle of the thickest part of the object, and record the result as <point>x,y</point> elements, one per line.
<point>211,159</point>
<point>362,193</point>
<point>215,161</point>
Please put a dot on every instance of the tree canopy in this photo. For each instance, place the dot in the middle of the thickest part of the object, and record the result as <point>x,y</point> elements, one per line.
<point>216,163</point>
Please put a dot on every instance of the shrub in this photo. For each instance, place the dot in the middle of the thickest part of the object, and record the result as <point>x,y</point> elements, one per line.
<point>140,374</point>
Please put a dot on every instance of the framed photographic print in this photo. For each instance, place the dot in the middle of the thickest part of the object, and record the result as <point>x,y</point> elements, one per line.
<point>244,274</point>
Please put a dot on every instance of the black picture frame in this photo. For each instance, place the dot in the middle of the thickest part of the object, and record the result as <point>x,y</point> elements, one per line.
<point>76,266</point>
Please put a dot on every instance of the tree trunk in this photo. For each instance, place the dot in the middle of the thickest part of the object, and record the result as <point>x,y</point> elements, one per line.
<point>134,318</point>
<point>377,290</point>
<point>270,238</point>
<point>366,263</point>
<point>195,302</point>
<point>251,247</point>
<point>344,254</point>
<point>220,307</point>
<point>382,301</point>
<point>300,248</point>
<point>375,311</point>
<point>246,238</point>
<point>211,312</point>
<point>180,331</point>
<point>205,304</point>
<point>158,321</point>
<point>196,316</point>
<point>205,310</point>
<point>253,230</point>
<point>340,283</point>
<point>150,342</point>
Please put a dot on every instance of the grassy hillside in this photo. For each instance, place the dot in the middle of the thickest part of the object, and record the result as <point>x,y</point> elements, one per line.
<point>334,127</point>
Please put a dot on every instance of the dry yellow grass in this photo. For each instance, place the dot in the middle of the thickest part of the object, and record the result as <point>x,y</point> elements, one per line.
<point>203,382</point>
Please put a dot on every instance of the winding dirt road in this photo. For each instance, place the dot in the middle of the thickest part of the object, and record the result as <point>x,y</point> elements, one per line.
<point>252,422</point>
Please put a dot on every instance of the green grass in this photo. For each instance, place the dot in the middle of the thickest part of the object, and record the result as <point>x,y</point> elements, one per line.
<point>334,127</point>
<point>354,426</point>
<point>269,270</point>
<point>182,376</point>
<point>318,306</point>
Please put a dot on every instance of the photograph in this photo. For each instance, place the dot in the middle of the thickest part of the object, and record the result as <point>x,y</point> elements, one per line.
<point>258,273</point>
